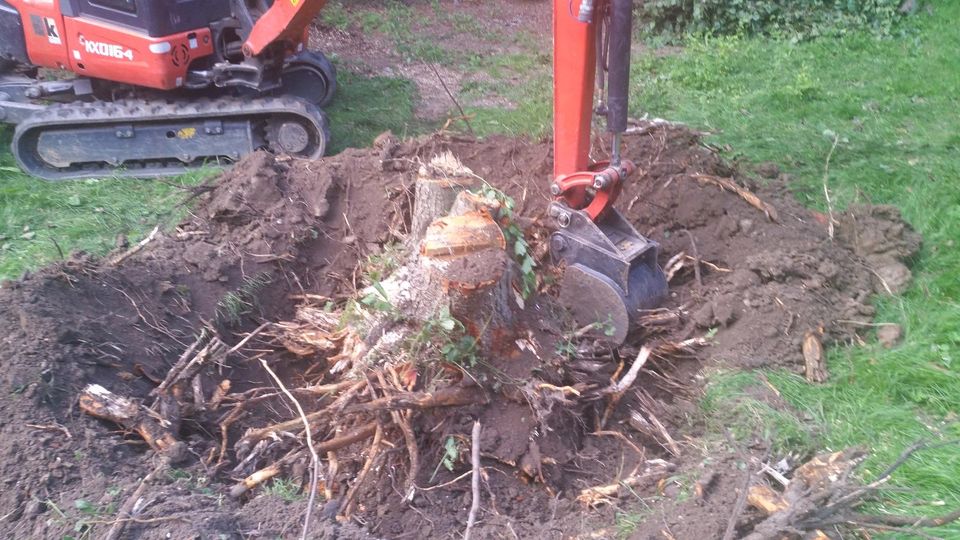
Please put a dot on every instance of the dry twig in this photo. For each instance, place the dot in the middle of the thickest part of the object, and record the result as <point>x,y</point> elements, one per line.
<point>745,194</point>
<point>826,192</point>
<point>475,482</point>
<point>125,513</point>
<point>314,457</point>
<point>126,254</point>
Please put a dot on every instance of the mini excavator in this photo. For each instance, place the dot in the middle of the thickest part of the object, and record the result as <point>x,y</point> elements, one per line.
<point>159,87</point>
<point>146,88</point>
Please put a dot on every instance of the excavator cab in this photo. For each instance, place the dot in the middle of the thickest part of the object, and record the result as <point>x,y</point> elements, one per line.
<point>610,271</point>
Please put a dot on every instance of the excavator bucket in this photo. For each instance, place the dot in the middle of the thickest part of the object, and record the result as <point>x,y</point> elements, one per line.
<point>610,271</point>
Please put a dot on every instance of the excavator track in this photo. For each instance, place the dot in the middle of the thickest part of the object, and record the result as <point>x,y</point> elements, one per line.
<point>139,138</point>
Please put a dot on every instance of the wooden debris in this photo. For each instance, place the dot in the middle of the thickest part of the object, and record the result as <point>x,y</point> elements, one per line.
<point>824,493</point>
<point>356,435</point>
<point>656,469</point>
<point>730,185</point>
<point>766,499</point>
<point>646,422</point>
<point>97,401</point>
<point>813,358</point>
<point>704,484</point>
<point>126,511</point>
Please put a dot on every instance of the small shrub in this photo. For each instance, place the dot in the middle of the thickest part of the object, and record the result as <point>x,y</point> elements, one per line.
<point>790,19</point>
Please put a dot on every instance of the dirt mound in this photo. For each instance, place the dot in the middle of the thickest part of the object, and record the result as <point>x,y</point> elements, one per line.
<point>272,231</point>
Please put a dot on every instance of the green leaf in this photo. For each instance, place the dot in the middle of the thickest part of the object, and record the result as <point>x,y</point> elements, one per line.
<point>73,200</point>
<point>451,453</point>
<point>520,247</point>
<point>379,287</point>
<point>84,506</point>
<point>448,324</point>
<point>527,265</point>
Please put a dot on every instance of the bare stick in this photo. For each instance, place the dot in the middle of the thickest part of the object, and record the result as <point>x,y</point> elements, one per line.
<point>453,99</point>
<point>123,516</point>
<point>346,507</point>
<point>475,481</point>
<point>745,194</point>
<point>594,496</point>
<point>181,363</point>
<point>314,458</point>
<point>244,341</point>
<point>739,506</point>
<point>444,397</point>
<point>403,420</point>
<point>696,258</point>
<point>448,483</point>
<point>126,254</point>
<point>826,192</point>
<point>624,438</point>
<point>631,375</point>
<point>255,479</point>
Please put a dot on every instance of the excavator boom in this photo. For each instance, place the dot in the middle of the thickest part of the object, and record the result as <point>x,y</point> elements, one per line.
<point>610,271</point>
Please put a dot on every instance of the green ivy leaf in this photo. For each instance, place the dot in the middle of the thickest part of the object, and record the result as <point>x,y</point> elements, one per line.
<point>520,247</point>
<point>448,324</point>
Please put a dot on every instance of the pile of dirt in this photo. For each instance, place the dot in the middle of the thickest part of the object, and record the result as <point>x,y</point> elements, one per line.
<point>272,231</point>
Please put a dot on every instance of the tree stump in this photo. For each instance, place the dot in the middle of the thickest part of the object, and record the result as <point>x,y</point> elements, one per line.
<point>437,186</point>
<point>459,266</point>
<point>464,258</point>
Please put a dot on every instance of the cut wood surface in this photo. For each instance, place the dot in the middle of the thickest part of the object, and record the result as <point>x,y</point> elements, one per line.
<point>437,186</point>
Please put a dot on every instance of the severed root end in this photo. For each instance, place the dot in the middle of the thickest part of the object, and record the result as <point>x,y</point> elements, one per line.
<point>97,401</point>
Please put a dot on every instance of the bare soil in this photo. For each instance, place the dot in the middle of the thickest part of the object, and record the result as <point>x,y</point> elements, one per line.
<point>468,30</point>
<point>271,229</point>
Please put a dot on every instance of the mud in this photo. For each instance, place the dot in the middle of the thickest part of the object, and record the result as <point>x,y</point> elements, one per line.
<point>273,229</point>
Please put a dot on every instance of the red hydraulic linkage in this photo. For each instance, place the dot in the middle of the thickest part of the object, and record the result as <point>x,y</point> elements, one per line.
<point>582,185</point>
<point>285,20</point>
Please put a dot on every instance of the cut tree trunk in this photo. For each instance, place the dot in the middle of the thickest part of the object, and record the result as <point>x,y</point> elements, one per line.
<point>460,266</point>
<point>464,259</point>
<point>438,184</point>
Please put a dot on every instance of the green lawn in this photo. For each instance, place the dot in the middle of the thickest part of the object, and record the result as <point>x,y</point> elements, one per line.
<point>895,104</point>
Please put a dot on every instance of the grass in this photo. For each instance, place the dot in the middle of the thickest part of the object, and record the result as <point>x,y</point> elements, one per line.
<point>894,104</point>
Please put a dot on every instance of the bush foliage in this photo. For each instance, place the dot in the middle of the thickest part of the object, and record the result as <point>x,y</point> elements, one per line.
<point>789,19</point>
